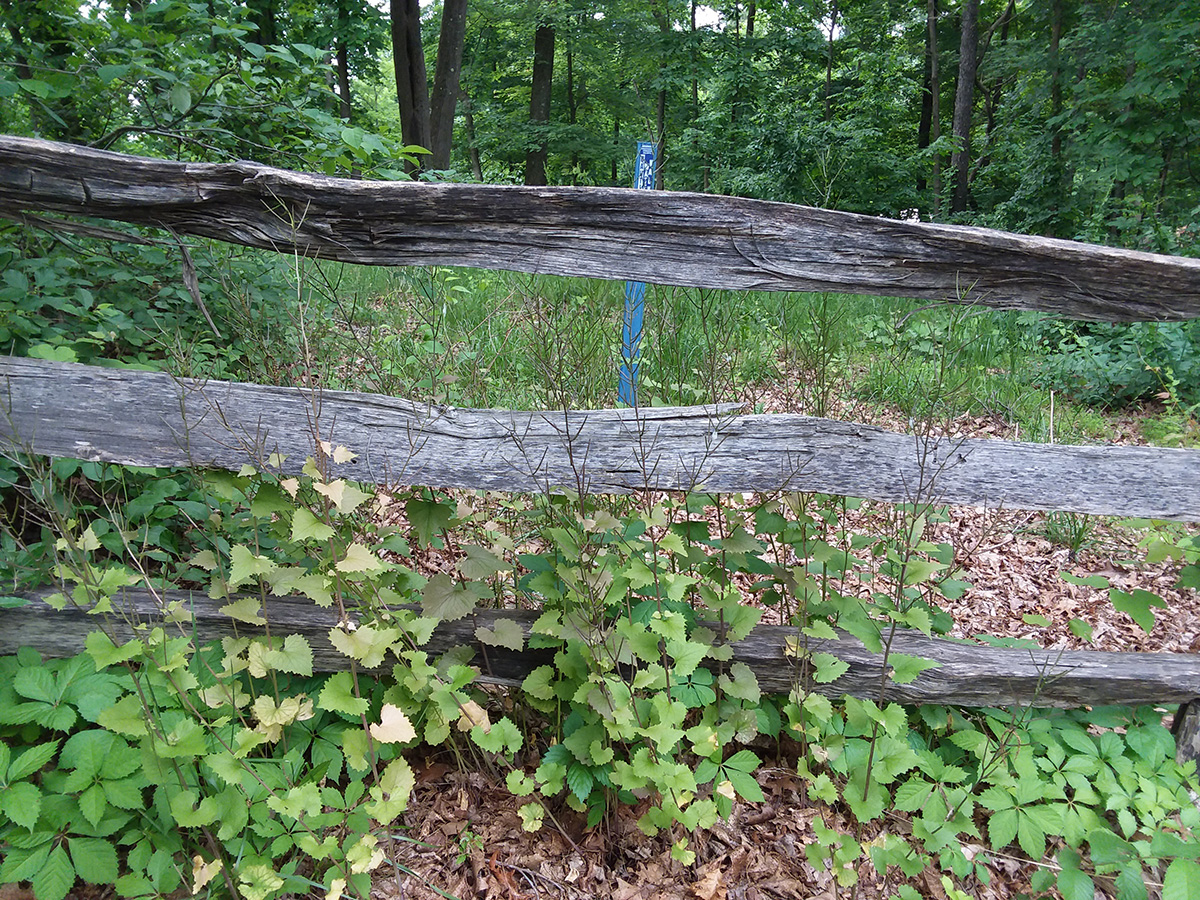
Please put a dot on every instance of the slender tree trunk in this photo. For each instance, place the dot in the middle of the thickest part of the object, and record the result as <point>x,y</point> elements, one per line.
<point>445,82</point>
<point>412,85</point>
<point>662,15</point>
<point>616,148</point>
<point>262,15</point>
<point>993,97</point>
<point>1056,80</point>
<point>572,111</point>
<point>345,108</point>
<point>935,111</point>
<point>833,17</point>
<point>964,98</point>
<point>472,144</point>
<point>539,101</point>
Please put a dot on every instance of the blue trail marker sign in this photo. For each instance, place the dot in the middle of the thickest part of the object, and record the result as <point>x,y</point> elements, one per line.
<point>635,293</point>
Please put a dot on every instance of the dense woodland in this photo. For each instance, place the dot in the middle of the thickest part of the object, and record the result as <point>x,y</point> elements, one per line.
<point>1071,118</point>
<point>643,759</point>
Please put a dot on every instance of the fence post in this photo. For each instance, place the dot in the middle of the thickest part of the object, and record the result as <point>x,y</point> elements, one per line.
<point>635,292</point>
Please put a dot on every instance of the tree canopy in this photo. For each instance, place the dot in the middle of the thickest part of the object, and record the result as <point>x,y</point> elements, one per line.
<point>1069,118</point>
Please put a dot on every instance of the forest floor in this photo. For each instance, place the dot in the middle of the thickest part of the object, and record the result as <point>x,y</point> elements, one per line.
<point>462,835</point>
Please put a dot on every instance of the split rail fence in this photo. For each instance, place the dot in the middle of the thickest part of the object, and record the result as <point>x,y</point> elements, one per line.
<point>154,419</point>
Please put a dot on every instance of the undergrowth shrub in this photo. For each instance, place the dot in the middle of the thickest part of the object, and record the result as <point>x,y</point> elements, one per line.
<point>153,764</point>
<point>1113,365</point>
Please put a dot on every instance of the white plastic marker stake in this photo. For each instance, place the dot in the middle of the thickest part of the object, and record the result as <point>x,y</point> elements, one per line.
<point>635,293</point>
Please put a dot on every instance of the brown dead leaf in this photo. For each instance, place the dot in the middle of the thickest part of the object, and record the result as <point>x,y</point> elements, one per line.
<point>711,886</point>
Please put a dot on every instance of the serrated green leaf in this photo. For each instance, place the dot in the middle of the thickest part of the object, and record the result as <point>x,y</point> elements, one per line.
<point>359,559</point>
<point>480,564</point>
<point>296,656</point>
<point>126,716</point>
<point>445,599</point>
<point>1182,881</point>
<point>245,609</point>
<point>1131,884</point>
<point>56,876</point>
<point>1002,828</point>
<point>1030,836</point>
<point>580,780</point>
<point>1072,883</point>
<point>368,643</point>
<point>746,785</point>
<point>906,669</point>
<point>911,795</point>
<point>827,668</point>
<point>428,518</point>
<point>32,760</point>
<point>124,793</point>
<point>741,683</point>
<point>36,683</point>
<point>95,860</point>
<point>345,496</point>
<point>538,683</point>
<point>338,696</point>
<point>22,803</point>
<point>93,803</point>
<point>503,735</point>
<point>307,527</point>
<point>245,566</point>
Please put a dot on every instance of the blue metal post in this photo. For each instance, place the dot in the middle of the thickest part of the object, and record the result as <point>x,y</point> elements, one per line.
<point>635,293</point>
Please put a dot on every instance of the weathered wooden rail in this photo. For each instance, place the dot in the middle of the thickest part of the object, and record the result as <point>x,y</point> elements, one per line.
<point>699,240</point>
<point>967,674</point>
<point>142,418</point>
<point>151,419</point>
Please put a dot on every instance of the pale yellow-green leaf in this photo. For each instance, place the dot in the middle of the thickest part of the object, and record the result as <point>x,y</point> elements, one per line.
<point>393,726</point>
<point>367,644</point>
<point>345,496</point>
<point>245,566</point>
<point>390,796</point>
<point>258,881</point>
<point>245,609</point>
<point>295,657</point>
<point>532,815</point>
<point>359,559</point>
<point>365,855</point>
<point>291,485</point>
<point>307,527</point>
<point>204,559</point>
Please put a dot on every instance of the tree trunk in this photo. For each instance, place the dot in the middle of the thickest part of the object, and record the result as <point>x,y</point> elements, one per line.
<point>345,108</point>
<point>616,147</point>
<point>935,111</point>
<point>964,98</point>
<point>412,85</point>
<point>472,143</point>
<point>262,15</point>
<point>833,16</point>
<point>446,81</point>
<point>539,101</point>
